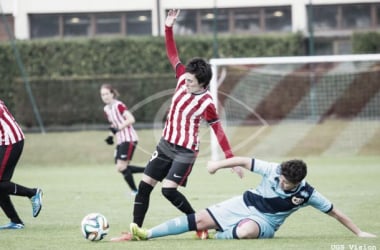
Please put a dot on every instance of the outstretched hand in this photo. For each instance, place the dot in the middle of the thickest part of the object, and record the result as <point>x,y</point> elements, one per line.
<point>366,235</point>
<point>171,17</point>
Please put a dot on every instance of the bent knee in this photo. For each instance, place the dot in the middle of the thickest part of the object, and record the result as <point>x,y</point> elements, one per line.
<point>248,229</point>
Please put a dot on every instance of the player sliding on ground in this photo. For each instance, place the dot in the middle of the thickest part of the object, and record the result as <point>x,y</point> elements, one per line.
<point>177,150</point>
<point>258,213</point>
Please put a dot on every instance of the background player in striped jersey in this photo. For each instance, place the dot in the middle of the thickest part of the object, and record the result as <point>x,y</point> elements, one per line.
<point>177,150</point>
<point>11,146</point>
<point>121,121</point>
<point>259,212</point>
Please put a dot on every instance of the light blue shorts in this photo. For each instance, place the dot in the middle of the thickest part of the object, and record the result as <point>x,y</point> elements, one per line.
<point>229,213</point>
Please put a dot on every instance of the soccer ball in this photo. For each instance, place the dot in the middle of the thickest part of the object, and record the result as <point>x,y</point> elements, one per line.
<point>94,226</point>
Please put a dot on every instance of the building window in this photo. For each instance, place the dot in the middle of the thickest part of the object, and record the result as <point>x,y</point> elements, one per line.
<point>4,29</point>
<point>377,15</point>
<point>90,24</point>
<point>139,23</point>
<point>323,47</point>
<point>341,47</point>
<point>44,26</point>
<point>207,21</point>
<point>278,19</point>
<point>247,20</point>
<point>108,24</point>
<point>76,25</point>
<point>342,17</point>
<point>325,17</point>
<point>236,21</point>
<point>186,23</point>
<point>356,16</point>
<point>326,46</point>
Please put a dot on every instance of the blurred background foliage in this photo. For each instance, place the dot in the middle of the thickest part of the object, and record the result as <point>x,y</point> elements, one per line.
<point>65,75</point>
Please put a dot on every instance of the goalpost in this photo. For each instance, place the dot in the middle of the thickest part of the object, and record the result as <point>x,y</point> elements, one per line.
<point>273,106</point>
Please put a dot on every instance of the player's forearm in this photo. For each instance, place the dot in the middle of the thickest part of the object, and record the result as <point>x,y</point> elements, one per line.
<point>125,124</point>
<point>171,49</point>
<point>244,162</point>
<point>222,139</point>
<point>345,221</point>
<point>128,120</point>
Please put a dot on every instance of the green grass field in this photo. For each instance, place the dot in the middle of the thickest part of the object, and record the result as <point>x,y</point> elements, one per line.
<point>76,172</point>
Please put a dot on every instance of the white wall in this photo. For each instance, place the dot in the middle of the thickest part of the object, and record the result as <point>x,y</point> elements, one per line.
<point>21,8</point>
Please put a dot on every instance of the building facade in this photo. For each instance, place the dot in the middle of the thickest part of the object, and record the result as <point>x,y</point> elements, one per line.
<point>332,22</point>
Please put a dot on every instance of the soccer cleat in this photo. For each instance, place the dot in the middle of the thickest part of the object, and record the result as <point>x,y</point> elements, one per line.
<point>36,202</point>
<point>12,225</point>
<point>211,235</point>
<point>125,236</point>
<point>137,232</point>
<point>202,234</point>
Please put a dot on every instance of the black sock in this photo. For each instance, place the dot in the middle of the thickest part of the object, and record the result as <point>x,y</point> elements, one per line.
<point>128,177</point>
<point>16,189</point>
<point>192,222</point>
<point>9,210</point>
<point>178,200</point>
<point>141,204</point>
<point>136,169</point>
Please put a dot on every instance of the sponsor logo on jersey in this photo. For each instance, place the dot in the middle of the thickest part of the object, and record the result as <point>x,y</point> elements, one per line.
<point>297,200</point>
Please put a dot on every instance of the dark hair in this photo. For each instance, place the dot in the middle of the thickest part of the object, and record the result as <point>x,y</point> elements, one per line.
<point>111,89</point>
<point>294,170</point>
<point>201,70</point>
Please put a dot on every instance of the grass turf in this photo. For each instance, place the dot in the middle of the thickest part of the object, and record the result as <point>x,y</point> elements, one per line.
<point>78,177</point>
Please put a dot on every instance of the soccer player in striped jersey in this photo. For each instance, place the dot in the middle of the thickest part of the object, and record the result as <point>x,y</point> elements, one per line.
<point>257,213</point>
<point>11,146</point>
<point>121,126</point>
<point>177,150</point>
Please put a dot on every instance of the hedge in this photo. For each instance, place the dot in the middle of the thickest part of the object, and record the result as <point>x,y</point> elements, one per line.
<point>65,74</point>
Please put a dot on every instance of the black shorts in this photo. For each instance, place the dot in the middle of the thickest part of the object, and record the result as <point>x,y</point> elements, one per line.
<point>124,151</point>
<point>9,156</point>
<point>171,162</point>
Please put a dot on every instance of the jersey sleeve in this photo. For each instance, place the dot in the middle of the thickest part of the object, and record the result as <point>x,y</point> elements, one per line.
<point>171,49</point>
<point>222,139</point>
<point>121,108</point>
<point>1,111</point>
<point>212,119</point>
<point>210,114</point>
<point>264,168</point>
<point>172,53</point>
<point>318,201</point>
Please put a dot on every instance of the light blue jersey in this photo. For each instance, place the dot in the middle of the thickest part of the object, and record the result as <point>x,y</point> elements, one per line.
<point>268,204</point>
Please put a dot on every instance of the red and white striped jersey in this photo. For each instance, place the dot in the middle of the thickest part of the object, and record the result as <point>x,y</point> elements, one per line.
<point>115,115</point>
<point>186,112</point>
<point>10,131</point>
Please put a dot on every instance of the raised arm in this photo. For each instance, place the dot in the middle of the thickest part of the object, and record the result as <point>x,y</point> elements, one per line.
<point>171,49</point>
<point>348,223</point>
